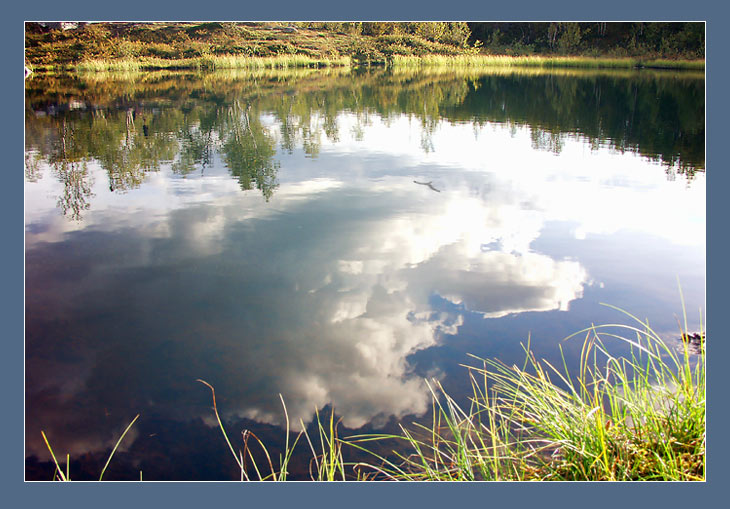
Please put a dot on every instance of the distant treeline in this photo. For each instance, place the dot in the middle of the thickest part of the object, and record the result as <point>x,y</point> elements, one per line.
<point>680,40</point>
<point>656,39</point>
<point>132,125</point>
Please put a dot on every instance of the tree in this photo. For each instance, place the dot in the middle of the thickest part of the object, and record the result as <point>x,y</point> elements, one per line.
<point>570,39</point>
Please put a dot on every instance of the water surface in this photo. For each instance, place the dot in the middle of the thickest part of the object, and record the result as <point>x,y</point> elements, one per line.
<point>335,238</point>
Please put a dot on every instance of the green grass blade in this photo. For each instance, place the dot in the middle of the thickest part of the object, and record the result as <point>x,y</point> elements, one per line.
<point>55,461</point>
<point>116,446</point>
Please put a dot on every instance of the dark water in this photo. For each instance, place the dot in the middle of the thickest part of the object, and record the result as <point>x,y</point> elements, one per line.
<point>334,238</point>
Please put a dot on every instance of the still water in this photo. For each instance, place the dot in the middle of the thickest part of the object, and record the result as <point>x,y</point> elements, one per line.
<point>335,238</point>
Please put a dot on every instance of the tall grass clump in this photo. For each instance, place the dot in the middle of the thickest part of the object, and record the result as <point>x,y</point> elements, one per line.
<point>637,416</point>
<point>460,444</point>
<point>540,61</point>
<point>697,65</point>
<point>329,465</point>
<point>640,417</point>
<point>211,62</point>
<point>270,62</point>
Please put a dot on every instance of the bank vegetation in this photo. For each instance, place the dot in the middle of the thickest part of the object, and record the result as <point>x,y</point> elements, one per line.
<point>220,45</point>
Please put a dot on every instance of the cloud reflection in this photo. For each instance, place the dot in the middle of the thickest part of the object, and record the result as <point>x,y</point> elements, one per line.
<point>320,297</point>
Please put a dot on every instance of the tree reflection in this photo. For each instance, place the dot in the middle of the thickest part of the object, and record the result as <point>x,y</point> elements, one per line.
<point>659,118</point>
<point>134,126</point>
<point>76,188</point>
<point>249,149</point>
<point>428,128</point>
<point>196,149</point>
<point>73,173</point>
<point>546,140</point>
<point>33,171</point>
<point>138,152</point>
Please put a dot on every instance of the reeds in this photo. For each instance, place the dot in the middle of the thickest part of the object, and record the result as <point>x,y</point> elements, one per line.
<point>211,62</point>
<point>539,61</point>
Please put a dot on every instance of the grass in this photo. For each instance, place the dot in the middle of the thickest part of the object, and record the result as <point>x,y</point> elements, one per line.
<point>60,475</point>
<point>544,62</point>
<point>635,417</point>
<point>327,465</point>
<point>212,62</point>
<point>243,456</point>
<point>216,62</point>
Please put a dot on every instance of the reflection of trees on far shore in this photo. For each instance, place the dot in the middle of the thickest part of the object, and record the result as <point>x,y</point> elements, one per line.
<point>126,145</point>
<point>546,140</point>
<point>76,188</point>
<point>33,171</point>
<point>660,118</point>
<point>71,169</point>
<point>248,150</point>
<point>189,121</point>
<point>132,142</point>
<point>129,148</point>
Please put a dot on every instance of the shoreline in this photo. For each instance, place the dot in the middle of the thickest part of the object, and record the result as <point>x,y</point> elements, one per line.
<point>426,61</point>
<point>204,46</point>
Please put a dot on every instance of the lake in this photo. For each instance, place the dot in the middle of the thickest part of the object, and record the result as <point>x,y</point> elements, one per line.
<point>335,237</point>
